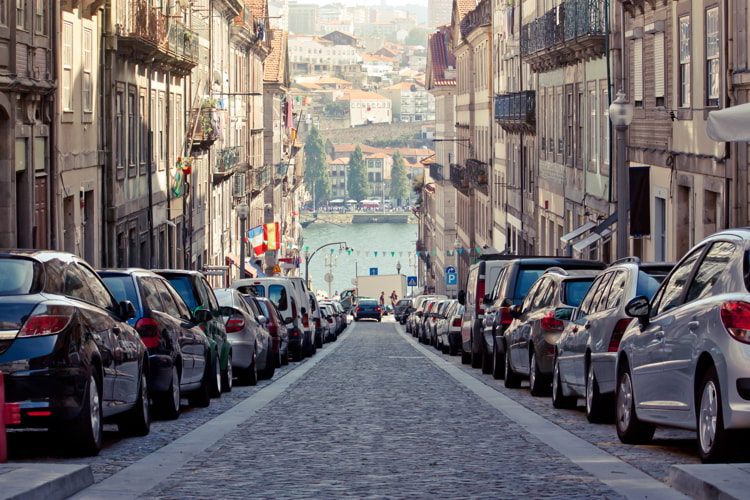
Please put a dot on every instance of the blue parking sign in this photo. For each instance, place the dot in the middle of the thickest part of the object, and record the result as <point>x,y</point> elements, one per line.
<point>451,279</point>
<point>373,271</point>
<point>411,281</point>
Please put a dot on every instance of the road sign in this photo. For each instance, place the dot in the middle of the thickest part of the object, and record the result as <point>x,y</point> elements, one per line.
<point>450,270</point>
<point>411,281</point>
<point>373,271</point>
<point>328,277</point>
<point>451,279</point>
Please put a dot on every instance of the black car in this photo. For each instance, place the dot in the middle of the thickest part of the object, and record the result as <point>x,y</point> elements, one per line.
<point>178,350</point>
<point>276,326</point>
<point>69,357</point>
<point>368,308</point>
<point>402,310</point>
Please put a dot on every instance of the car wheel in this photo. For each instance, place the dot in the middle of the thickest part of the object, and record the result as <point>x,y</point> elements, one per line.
<point>227,377</point>
<point>85,431</point>
<point>216,378</point>
<point>249,375</point>
<point>168,404</point>
<point>713,438</point>
<point>319,341</point>
<point>512,380</point>
<point>465,358</point>
<point>498,364</point>
<point>476,358</point>
<point>297,354</point>
<point>270,367</point>
<point>284,358</point>
<point>487,360</point>
<point>630,429</point>
<point>559,399</point>
<point>201,398</point>
<point>598,408</point>
<point>537,381</point>
<point>137,421</point>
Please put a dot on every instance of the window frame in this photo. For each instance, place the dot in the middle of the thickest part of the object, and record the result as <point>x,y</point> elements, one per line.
<point>713,60</point>
<point>67,67</point>
<point>684,76</point>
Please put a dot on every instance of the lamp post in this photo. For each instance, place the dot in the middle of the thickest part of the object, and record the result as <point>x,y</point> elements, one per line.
<point>308,257</point>
<point>398,268</point>
<point>621,114</point>
<point>242,211</point>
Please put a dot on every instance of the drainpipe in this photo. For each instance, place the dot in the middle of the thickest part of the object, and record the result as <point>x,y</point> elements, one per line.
<point>104,84</point>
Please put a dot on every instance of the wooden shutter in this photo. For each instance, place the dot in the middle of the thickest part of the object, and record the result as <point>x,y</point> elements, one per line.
<point>659,65</point>
<point>638,69</point>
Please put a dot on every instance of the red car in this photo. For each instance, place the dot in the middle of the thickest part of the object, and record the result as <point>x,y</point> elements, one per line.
<point>276,327</point>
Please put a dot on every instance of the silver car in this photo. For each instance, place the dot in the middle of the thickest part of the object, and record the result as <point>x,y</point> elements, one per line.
<point>587,349</point>
<point>684,363</point>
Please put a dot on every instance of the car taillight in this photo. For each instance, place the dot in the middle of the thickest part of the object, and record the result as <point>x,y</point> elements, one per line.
<point>736,318</point>
<point>357,309</point>
<point>306,320</point>
<point>551,324</point>
<point>47,320</point>
<point>317,323</point>
<point>480,296</point>
<point>235,324</point>
<point>377,309</point>
<point>148,329</point>
<point>505,317</point>
<point>617,333</point>
<point>456,323</point>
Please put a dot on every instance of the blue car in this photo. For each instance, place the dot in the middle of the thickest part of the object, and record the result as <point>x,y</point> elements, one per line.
<point>368,309</point>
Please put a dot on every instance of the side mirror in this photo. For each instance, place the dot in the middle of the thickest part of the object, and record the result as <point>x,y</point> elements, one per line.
<point>487,299</point>
<point>640,308</point>
<point>564,313</point>
<point>462,297</point>
<point>516,311</point>
<point>304,311</point>
<point>127,310</point>
<point>202,315</point>
<point>288,321</point>
<point>419,313</point>
<point>262,319</point>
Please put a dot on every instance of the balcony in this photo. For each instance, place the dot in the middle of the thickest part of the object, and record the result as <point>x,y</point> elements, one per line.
<point>147,35</point>
<point>227,160</point>
<point>436,172</point>
<point>261,179</point>
<point>572,32</point>
<point>516,111</point>
<point>478,173</point>
<point>459,178</point>
<point>208,128</point>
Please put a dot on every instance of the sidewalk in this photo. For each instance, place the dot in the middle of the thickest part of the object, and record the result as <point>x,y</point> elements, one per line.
<point>725,481</point>
<point>29,481</point>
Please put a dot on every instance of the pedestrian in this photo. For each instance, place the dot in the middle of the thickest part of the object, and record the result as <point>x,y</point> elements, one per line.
<point>394,299</point>
<point>382,299</point>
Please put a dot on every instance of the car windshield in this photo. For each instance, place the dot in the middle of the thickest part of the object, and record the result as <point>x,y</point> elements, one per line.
<point>647,284</point>
<point>224,297</point>
<point>184,287</point>
<point>575,290</point>
<point>20,276</point>
<point>121,286</point>
<point>526,278</point>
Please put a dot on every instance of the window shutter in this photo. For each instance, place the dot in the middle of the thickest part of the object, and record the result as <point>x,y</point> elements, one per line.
<point>659,65</point>
<point>638,69</point>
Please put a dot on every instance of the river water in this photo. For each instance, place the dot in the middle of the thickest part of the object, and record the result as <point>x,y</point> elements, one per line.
<point>393,243</point>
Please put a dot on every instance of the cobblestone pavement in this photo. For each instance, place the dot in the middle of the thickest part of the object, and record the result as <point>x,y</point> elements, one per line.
<point>378,419</point>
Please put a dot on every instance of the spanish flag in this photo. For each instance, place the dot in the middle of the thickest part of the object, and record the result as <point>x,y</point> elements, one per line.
<point>272,235</point>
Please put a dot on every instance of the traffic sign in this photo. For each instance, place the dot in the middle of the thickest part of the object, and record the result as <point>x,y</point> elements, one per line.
<point>328,277</point>
<point>411,281</point>
<point>450,270</point>
<point>451,279</point>
<point>373,271</point>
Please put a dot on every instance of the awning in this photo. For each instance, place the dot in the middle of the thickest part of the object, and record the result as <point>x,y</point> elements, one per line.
<point>232,260</point>
<point>587,242</point>
<point>600,232</point>
<point>337,201</point>
<point>567,238</point>
<point>351,202</point>
<point>729,124</point>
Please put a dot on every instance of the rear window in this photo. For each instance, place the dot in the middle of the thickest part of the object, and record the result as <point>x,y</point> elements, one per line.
<point>368,302</point>
<point>184,286</point>
<point>20,276</point>
<point>524,280</point>
<point>263,307</point>
<point>648,284</point>
<point>224,297</point>
<point>403,302</point>
<point>574,291</point>
<point>123,288</point>
<point>277,295</point>
<point>254,290</point>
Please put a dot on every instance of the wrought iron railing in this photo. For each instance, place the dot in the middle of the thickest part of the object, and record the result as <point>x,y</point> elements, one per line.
<point>436,171</point>
<point>584,18</point>
<point>570,20</point>
<point>139,20</point>
<point>478,172</point>
<point>183,42</point>
<point>282,168</point>
<point>261,178</point>
<point>459,179</point>
<point>516,110</point>
<point>227,159</point>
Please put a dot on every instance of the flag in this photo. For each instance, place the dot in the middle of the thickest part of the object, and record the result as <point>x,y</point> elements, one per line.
<point>255,235</point>
<point>272,235</point>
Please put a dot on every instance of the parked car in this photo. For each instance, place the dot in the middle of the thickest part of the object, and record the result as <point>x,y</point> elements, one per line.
<point>417,310</point>
<point>425,317</point>
<point>331,322</point>
<point>281,292</point>
<point>317,320</point>
<point>513,283</point>
<point>444,324</point>
<point>587,349</point>
<point>368,309</point>
<point>60,330</point>
<point>199,296</point>
<point>339,315</point>
<point>302,294</point>
<point>437,314</point>
<point>538,322</point>
<point>683,363</point>
<point>402,310</point>
<point>276,326</point>
<point>178,351</point>
<point>252,347</point>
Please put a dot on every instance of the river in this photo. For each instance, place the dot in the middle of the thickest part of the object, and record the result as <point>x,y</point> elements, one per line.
<point>393,243</point>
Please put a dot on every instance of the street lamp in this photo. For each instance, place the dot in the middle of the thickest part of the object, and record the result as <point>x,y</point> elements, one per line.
<point>621,114</point>
<point>242,212</point>
<point>398,268</point>
<point>308,257</point>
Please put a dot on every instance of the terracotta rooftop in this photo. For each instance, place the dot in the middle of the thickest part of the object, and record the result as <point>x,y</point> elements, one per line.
<point>349,148</point>
<point>377,58</point>
<point>273,67</point>
<point>361,95</point>
<point>411,151</point>
<point>441,57</point>
<point>405,86</point>
<point>376,156</point>
<point>339,161</point>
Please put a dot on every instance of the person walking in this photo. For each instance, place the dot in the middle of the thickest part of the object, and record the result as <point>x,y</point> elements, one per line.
<point>382,299</point>
<point>394,299</point>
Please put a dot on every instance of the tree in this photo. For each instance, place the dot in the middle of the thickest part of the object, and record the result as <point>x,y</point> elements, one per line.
<point>315,163</point>
<point>323,187</point>
<point>399,180</point>
<point>417,36</point>
<point>357,184</point>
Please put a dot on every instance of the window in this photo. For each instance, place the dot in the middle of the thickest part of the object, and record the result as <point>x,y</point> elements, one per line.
<point>585,307</point>
<point>21,14</point>
<point>151,295</point>
<point>4,13</point>
<point>712,57</point>
<point>40,17</point>
<point>144,131</point>
<point>659,68</point>
<point>604,130</point>
<point>593,143</point>
<point>684,73</point>
<point>132,132</point>
<point>660,229</point>
<point>166,298</point>
<point>86,80</point>
<point>671,293</point>
<point>638,72</point>
<point>161,127</point>
<point>714,263</point>
<point>599,302</point>
<point>580,121</point>
<point>617,290</point>
<point>99,293</point>
<point>67,64</point>
<point>569,114</point>
<point>120,129</point>
<point>74,284</point>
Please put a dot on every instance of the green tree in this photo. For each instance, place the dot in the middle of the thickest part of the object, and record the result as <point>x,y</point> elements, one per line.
<point>323,188</point>
<point>399,180</point>
<point>357,184</point>
<point>315,163</point>
<point>417,36</point>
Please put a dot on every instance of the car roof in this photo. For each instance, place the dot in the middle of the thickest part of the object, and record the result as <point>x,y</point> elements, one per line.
<point>40,255</point>
<point>131,271</point>
<point>178,272</point>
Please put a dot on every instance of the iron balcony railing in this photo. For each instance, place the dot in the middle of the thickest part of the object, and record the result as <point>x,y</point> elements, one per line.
<point>227,159</point>
<point>183,42</point>
<point>459,178</point>
<point>261,178</point>
<point>516,111</point>
<point>478,173</point>
<point>436,172</point>
<point>282,168</point>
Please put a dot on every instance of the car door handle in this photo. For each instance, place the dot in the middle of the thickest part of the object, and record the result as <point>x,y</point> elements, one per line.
<point>116,330</point>
<point>693,325</point>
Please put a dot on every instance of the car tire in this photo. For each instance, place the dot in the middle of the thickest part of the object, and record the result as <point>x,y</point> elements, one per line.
<point>598,407</point>
<point>137,420</point>
<point>487,361</point>
<point>215,381</point>
<point>249,375</point>
<point>498,364</point>
<point>537,381</point>
<point>452,350</point>
<point>270,367</point>
<point>227,376</point>
<point>284,358</point>
<point>201,398</point>
<point>714,441</point>
<point>511,379</point>
<point>476,359</point>
<point>559,399</point>
<point>630,429</point>
<point>277,360</point>
<point>465,358</point>
<point>297,354</point>
<point>85,432</point>
<point>319,341</point>
<point>168,403</point>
